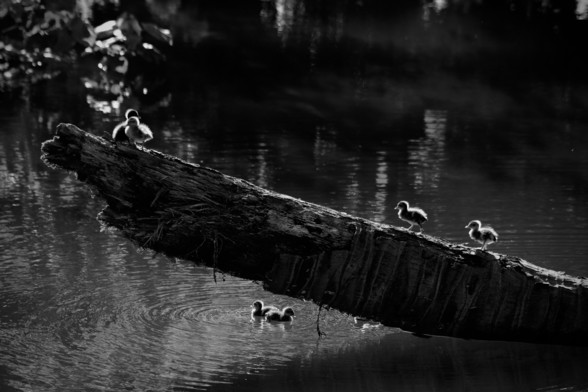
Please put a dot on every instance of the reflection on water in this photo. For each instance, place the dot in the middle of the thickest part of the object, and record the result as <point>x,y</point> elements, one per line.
<point>334,110</point>
<point>380,196</point>
<point>427,153</point>
<point>582,9</point>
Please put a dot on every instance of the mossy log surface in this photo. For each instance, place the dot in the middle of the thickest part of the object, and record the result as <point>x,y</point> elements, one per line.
<point>416,282</point>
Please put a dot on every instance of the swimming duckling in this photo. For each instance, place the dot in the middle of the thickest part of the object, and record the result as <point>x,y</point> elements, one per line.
<point>485,235</point>
<point>412,215</point>
<point>286,314</point>
<point>260,310</point>
<point>118,133</point>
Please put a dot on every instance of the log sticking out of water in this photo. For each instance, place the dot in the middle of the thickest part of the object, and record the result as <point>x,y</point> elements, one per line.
<point>416,282</point>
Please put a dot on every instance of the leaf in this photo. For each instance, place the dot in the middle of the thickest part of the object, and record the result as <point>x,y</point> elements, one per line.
<point>161,36</point>
<point>82,32</point>
<point>106,29</point>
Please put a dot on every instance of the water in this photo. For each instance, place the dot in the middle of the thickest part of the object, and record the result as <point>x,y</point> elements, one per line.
<point>343,109</point>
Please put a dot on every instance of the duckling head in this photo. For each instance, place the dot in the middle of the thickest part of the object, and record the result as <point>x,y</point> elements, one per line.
<point>131,113</point>
<point>402,205</point>
<point>289,311</point>
<point>475,224</point>
<point>257,305</point>
<point>133,121</point>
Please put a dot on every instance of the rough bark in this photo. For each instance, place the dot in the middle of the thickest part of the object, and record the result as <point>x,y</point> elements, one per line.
<point>416,282</point>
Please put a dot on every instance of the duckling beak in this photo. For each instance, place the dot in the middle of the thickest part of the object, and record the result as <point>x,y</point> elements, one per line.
<point>467,227</point>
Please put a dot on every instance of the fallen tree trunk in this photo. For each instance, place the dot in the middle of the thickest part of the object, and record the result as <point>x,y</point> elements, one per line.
<point>416,282</point>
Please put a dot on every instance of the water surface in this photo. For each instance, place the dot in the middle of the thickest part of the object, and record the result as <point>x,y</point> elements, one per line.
<point>352,110</point>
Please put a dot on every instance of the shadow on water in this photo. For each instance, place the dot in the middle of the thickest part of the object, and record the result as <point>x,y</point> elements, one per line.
<point>402,362</point>
<point>351,105</point>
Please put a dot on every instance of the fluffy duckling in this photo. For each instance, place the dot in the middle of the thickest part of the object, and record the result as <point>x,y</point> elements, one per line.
<point>286,314</point>
<point>260,310</point>
<point>412,215</point>
<point>136,132</point>
<point>485,235</point>
<point>118,133</point>
<point>133,130</point>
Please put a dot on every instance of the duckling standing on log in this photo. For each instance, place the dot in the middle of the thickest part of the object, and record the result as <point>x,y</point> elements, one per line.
<point>136,132</point>
<point>118,133</point>
<point>260,310</point>
<point>485,235</point>
<point>132,129</point>
<point>286,314</point>
<point>412,215</point>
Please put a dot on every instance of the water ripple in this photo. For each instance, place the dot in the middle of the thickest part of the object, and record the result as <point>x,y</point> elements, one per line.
<point>147,313</point>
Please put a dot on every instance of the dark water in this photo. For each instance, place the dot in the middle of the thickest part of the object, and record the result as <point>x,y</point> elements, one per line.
<point>351,107</point>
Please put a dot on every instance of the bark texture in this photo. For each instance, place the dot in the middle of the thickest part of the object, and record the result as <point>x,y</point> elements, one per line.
<point>416,282</point>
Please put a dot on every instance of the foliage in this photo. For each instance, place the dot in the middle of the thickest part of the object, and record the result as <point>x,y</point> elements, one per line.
<point>128,57</point>
<point>39,38</point>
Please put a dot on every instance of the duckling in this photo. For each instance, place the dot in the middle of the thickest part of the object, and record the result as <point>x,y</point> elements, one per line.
<point>118,133</point>
<point>286,314</point>
<point>134,130</point>
<point>260,310</point>
<point>485,235</point>
<point>412,215</point>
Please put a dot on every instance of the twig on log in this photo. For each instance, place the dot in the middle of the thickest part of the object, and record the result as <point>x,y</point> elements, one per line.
<point>318,320</point>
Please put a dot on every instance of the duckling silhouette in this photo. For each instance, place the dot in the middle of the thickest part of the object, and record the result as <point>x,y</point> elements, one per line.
<point>485,235</point>
<point>133,130</point>
<point>118,133</point>
<point>286,314</point>
<point>412,215</point>
<point>260,310</point>
<point>137,132</point>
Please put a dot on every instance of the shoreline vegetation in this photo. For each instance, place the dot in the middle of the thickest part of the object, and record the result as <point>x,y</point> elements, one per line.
<point>123,46</point>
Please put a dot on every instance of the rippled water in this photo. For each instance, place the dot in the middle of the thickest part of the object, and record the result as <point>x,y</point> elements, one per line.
<point>84,309</point>
<point>92,312</point>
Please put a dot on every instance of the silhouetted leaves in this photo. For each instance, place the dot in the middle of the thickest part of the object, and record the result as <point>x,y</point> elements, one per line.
<point>39,37</point>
